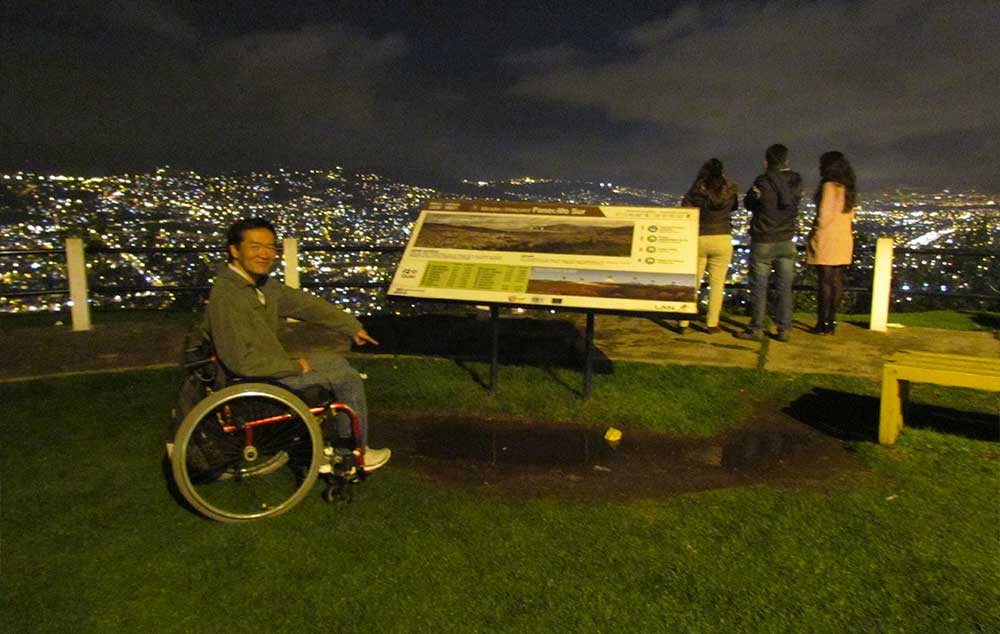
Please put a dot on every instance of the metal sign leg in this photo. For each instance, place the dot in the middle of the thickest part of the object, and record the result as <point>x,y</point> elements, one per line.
<point>588,360</point>
<point>495,335</point>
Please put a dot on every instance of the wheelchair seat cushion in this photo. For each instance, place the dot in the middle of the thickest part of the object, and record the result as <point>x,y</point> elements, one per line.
<point>314,395</point>
<point>311,395</point>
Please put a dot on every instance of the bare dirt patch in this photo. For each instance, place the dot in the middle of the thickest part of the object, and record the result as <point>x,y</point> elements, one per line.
<point>529,460</point>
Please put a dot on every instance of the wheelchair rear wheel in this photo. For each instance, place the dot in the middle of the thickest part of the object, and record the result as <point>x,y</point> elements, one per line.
<point>245,452</point>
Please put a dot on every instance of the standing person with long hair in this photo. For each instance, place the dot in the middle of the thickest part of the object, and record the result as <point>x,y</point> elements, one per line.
<point>830,247</point>
<point>716,197</point>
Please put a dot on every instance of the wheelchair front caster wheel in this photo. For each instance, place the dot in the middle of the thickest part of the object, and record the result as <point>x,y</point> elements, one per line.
<point>337,490</point>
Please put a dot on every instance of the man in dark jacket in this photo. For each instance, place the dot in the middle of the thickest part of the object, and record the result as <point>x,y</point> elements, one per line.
<point>774,204</point>
<point>244,309</point>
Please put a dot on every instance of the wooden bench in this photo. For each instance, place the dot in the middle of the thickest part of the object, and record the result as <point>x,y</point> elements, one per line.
<point>955,370</point>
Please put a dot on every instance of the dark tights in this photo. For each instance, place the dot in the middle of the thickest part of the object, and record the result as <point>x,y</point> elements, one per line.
<point>831,289</point>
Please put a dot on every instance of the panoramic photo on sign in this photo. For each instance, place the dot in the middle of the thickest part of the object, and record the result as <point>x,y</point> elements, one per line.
<point>555,255</point>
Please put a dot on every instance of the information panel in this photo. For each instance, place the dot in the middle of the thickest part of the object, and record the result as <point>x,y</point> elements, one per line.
<point>553,255</point>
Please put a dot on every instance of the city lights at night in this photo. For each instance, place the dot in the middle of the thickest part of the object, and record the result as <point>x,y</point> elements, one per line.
<point>173,209</point>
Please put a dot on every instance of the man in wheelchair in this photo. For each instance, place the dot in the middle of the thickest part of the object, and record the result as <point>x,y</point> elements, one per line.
<point>242,319</point>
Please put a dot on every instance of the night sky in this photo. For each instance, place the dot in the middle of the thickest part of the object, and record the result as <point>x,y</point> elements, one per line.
<point>426,91</point>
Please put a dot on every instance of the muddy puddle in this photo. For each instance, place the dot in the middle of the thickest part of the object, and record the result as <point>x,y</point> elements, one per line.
<point>521,459</point>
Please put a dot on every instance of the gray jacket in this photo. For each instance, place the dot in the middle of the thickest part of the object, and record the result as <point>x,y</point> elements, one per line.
<point>244,331</point>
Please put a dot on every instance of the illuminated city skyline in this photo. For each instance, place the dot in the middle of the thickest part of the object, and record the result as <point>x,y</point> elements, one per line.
<point>335,208</point>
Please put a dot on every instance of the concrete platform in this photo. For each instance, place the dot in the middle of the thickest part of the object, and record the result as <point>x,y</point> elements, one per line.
<point>853,350</point>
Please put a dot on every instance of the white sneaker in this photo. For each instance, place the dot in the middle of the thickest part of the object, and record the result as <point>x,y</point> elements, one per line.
<point>376,458</point>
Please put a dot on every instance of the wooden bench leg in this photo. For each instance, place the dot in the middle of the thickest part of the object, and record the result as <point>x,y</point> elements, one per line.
<point>904,398</point>
<point>890,418</point>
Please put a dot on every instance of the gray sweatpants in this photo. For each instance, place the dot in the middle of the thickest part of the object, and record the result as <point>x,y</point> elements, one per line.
<point>333,372</point>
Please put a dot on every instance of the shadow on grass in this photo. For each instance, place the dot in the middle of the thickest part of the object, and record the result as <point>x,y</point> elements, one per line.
<point>575,390</point>
<point>482,379</point>
<point>168,480</point>
<point>477,378</point>
<point>855,417</point>
<point>839,414</point>
<point>990,321</point>
<point>972,425</point>
<point>527,341</point>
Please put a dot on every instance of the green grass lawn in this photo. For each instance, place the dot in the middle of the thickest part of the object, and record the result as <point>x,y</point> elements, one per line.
<point>92,540</point>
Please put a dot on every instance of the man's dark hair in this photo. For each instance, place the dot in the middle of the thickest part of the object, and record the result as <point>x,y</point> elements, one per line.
<point>776,155</point>
<point>234,237</point>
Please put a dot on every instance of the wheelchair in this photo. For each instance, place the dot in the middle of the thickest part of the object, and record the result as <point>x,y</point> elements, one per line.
<point>245,449</point>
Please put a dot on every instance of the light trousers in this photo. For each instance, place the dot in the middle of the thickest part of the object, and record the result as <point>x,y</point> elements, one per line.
<point>716,252</point>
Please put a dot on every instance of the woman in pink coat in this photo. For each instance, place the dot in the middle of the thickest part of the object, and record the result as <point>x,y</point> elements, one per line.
<point>831,242</point>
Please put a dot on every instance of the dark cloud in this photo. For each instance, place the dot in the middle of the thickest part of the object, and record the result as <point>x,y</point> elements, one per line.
<point>136,84</point>
<point>558,56</point>
<point>313,78</point>
<point>145,16</point>
<point>906,88</point>
<point>875,76</point>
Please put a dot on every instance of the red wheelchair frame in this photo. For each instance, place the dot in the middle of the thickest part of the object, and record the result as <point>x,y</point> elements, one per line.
<point>249,426</point>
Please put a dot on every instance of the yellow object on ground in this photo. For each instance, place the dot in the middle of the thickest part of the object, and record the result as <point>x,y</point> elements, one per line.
<point>613,436</point>
<point>955,370</point>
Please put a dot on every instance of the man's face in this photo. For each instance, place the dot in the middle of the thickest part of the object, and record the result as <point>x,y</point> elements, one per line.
<point>257,252</point>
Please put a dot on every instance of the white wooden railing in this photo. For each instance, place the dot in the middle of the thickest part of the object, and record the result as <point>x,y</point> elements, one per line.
<point>77,275</point>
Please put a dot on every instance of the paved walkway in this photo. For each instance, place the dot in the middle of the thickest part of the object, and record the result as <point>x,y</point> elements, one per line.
<point>38,351</point>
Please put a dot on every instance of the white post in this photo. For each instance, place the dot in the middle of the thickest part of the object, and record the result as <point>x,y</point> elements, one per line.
<point>76,272</point>
<point>290,247</point>
<point>881,285</point>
